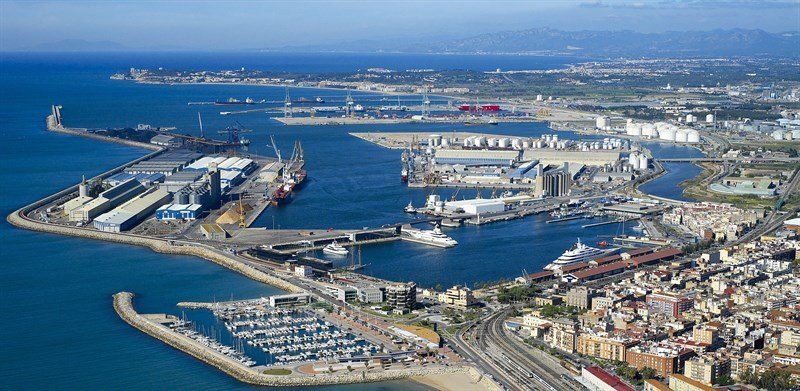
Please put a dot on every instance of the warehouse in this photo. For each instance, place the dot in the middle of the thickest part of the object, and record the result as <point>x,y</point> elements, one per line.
<point>145,179</point>
<point>179,180</point>
<point>471,157</point>
<point>179,212</point>
<point>107,200</point>
<point>476,206</point>
<point>559,156</point>
<point>166,163</point>
<point>131,213</point>
<point>203,163</point>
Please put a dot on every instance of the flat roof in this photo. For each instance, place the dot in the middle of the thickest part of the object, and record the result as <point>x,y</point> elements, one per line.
<point>609,267</point>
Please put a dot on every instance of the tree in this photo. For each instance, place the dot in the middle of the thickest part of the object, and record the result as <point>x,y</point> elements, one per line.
<point>725,380</point>
<point>648,373</point>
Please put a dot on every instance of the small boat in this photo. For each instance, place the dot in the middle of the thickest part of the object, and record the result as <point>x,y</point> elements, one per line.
<point>334,248</point>
<point>410,208</point>
<point>319,99</point>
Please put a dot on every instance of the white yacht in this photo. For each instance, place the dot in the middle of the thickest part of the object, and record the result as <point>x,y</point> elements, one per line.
<point>578,253</point>
<point>334,248</point>
<point>433,237</point>
<point>410,208</point>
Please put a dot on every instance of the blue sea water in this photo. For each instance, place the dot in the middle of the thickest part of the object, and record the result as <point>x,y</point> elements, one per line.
<point>60,329</point>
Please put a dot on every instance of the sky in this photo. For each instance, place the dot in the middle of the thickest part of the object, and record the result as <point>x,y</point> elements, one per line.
<point>233,25</point>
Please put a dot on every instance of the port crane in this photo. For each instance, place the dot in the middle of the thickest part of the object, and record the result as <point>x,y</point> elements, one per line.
<point>275,148</point>
<point>234,132</point>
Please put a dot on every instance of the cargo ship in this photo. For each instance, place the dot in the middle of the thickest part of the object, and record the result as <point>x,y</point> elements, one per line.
<point>479,108</point>
<point>234,101</point>
<point>283,195</point>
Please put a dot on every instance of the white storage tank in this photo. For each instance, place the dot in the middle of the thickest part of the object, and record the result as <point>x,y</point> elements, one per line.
<point>796,134</point>
<point>526,144</point>
<point>468,142</point>
<point>445,142</point>
<point>643,162</point>
<point>667,134</point>
<point>649,130</point>
<point>435,140</point>
<point>633,159</point>
<point>682,135</point>
<point>602,122</point>
<point>690,119</point>
<point>503,143</point>
<point>491,142</point>
<point>516,143</point>
<point>693,136</point>
<point>710,118</point>
<point>480,141</point>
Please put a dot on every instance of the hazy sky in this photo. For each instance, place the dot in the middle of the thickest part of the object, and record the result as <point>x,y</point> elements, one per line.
<point>220,25</point>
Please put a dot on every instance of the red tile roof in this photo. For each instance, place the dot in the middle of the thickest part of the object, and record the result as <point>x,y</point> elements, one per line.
<point>609,267</point>
<point>575,266</point>
<point>612,380</point>
<point>656,256</point>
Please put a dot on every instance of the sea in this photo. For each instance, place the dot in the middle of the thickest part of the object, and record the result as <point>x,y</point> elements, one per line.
<point>61,331</point>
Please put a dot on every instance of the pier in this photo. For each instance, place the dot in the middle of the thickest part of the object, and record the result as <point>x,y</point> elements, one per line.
<point>609,222</point>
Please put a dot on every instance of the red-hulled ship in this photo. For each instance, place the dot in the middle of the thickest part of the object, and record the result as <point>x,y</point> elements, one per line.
<point>479,108</point>
<point>283,195</point>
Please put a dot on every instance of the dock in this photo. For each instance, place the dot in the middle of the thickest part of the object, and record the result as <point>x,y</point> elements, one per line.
<point>608,222</point>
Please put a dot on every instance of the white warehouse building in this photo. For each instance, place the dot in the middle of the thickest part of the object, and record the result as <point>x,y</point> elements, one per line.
<point>476,206</point>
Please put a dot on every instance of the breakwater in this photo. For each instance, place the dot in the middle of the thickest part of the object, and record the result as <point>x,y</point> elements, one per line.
<point>123,305</point>
<point>53,126</point>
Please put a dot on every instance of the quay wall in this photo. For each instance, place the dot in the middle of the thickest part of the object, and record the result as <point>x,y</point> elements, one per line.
<point>123,305</point>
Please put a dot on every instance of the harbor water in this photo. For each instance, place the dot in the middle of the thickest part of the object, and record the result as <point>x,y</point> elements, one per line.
<point>61,331</point>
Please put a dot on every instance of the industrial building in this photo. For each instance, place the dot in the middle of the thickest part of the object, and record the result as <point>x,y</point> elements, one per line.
<point>165,163</point>
<point>132,212</point>
<point>592,157</point>
<point>474,157</point>
<point>145,179</point>
<point>553,183</point>
<point>179,212</point>
<point>179,180</point>
<point>476,206</point>
<point>106,200</point>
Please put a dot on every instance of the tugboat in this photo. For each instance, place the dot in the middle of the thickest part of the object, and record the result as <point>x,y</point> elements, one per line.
<point>410,208</point>
<point>404,175</point>
<point>334,248</point>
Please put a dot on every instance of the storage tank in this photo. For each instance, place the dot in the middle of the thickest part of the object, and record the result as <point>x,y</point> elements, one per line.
<point>182,197</point>
<point>796,134</point>
<point>435,140</point>
<point>445,142</point>
<point>777,135</point>
<point>693,136</point>
<point>690,119</point>
<point>635,130</point>
<point>710,118</point>
<point>516,143</point>
<point>480,141</point>
<point>682,135</point>
<point>667,134</point>
<point>602,122</point>
<point>633,159</point>
<point>643,162</point>
<point>649,130</point>
<point>468,142</point>
<point>503,143</point>
<point>526,144</point>
<point>491,142</point>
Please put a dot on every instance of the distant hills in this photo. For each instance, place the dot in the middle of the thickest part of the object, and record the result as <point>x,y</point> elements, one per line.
<point>78,45</point>
<point>586,43</point>
<point>626,43</point>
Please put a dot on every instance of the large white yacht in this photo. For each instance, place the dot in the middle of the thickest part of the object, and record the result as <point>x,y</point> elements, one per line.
<point>334,248</point>
<point>578,253</point>
<point>433,237</point>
